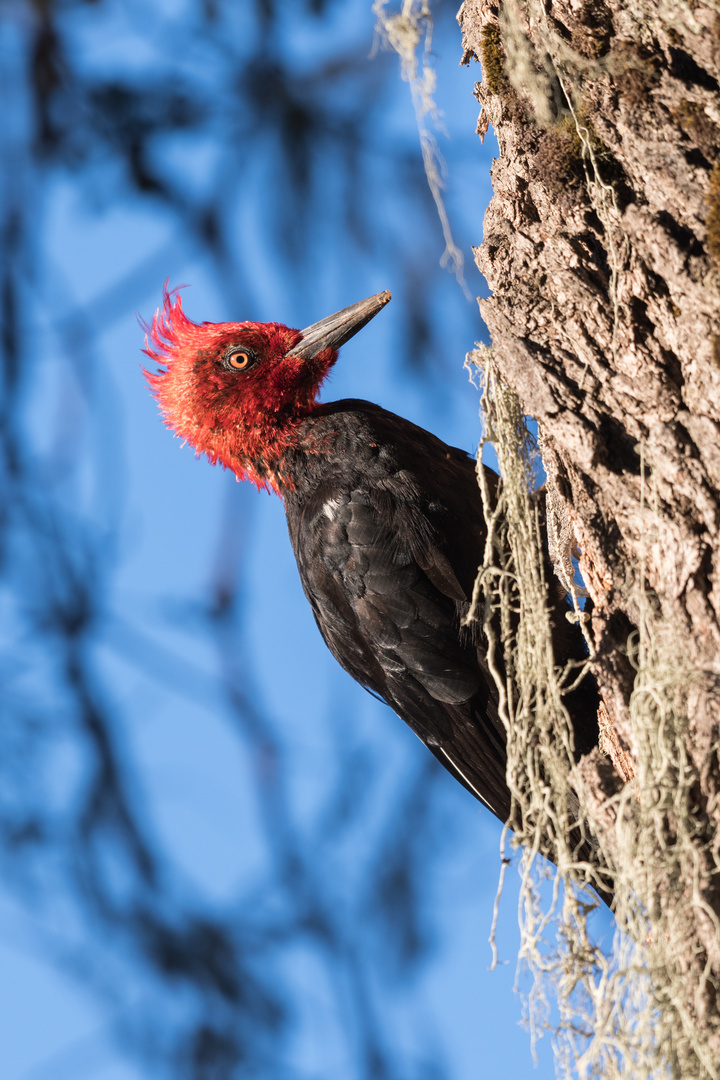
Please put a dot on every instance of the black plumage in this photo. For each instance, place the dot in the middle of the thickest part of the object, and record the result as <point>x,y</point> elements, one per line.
<point>385,520</point>
<point>386,524</point>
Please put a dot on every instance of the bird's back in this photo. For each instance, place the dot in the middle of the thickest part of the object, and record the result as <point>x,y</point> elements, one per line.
<point>387,529</point>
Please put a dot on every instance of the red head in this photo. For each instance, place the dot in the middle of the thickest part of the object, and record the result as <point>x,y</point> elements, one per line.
<point>237,391</point>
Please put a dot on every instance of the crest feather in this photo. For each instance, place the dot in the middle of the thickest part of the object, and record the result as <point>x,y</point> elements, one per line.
<point>169,332</point>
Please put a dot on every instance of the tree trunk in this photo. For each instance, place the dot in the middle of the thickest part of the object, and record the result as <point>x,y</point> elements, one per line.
<point>601,247</point>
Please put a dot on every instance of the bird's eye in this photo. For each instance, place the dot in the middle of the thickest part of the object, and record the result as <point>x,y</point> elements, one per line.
<point>239,359</point>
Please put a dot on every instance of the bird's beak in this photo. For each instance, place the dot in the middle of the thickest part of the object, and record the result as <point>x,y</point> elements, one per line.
<point>335,330</point>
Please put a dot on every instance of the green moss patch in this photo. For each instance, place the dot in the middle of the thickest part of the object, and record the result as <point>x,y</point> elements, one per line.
<point>493,59</point>
<point>691,118</point>
<point>713,219</point>
<point>591,37</point>
<point>560,161</point>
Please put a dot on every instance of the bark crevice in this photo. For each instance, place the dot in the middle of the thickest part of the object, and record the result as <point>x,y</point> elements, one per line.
<point>602,250</point>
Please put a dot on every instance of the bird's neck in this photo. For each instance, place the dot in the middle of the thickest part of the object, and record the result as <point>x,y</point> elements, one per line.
<point>266,451</point>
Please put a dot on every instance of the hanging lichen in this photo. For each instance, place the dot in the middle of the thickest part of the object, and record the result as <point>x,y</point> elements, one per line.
<point>639,1009</point>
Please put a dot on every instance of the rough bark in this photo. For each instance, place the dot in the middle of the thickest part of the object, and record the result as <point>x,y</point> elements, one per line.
<point>601,247</point>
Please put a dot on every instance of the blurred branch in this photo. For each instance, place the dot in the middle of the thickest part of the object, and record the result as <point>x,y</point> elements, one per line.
<point>192,117</point>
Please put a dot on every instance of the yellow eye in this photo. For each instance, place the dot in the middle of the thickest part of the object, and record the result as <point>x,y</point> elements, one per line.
<point>239,361</point>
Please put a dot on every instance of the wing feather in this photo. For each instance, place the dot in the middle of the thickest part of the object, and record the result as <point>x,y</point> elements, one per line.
<point>393,624</point>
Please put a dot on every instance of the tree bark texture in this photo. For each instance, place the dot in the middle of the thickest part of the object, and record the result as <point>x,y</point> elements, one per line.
<point>602,250</point>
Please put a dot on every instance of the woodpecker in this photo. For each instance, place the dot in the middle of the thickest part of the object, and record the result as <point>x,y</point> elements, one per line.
<point>385,521</point>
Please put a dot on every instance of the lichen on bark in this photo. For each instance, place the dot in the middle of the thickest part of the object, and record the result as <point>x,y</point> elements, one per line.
<point>601,250</point>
